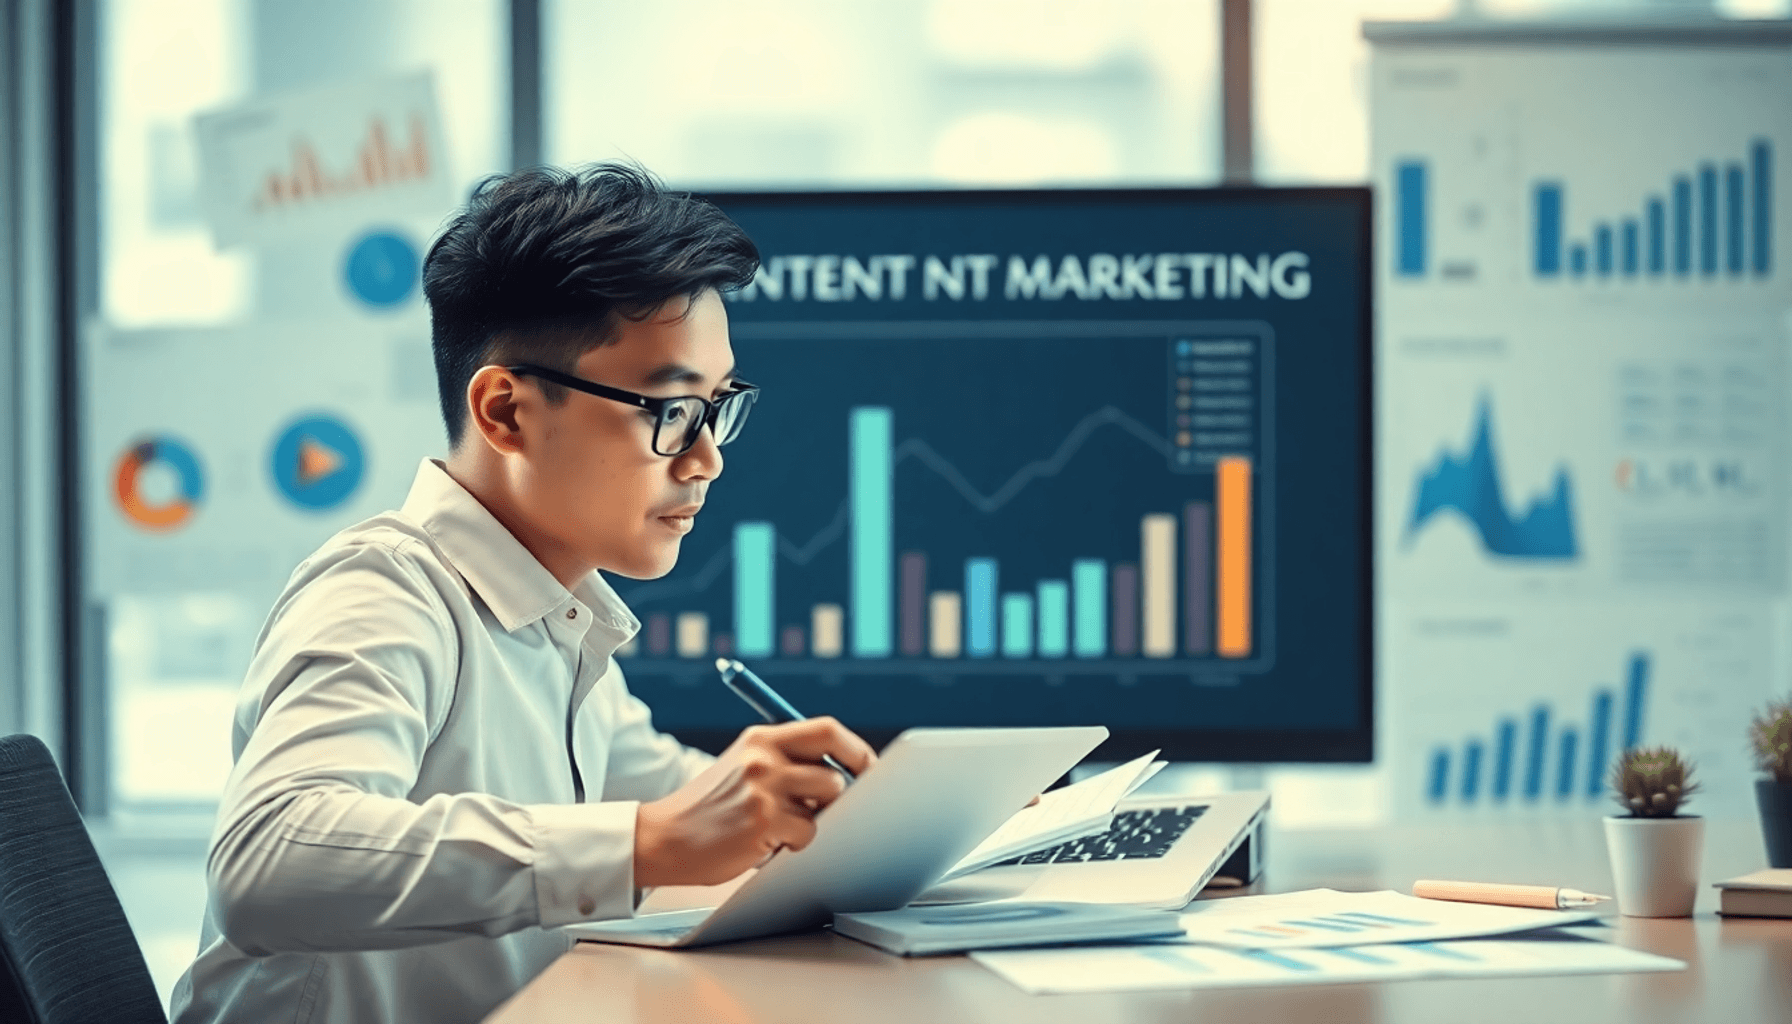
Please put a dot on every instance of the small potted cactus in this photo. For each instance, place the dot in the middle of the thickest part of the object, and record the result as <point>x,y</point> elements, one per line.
<point>1770,737</point>
<point>1654,848</point>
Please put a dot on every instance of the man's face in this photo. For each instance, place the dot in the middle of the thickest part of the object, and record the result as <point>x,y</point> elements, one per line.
<point>595,484</point>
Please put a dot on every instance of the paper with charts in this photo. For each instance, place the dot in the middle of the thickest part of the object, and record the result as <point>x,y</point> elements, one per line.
<point>1153,966</point>
<point>1327,917</point>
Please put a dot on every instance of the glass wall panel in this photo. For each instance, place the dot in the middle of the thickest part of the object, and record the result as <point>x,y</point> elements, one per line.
<point>1310,69</point>
<point>246,393</point>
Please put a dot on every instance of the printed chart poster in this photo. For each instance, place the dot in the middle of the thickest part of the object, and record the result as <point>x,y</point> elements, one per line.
<point>197,511</point>
<point>300,163</point>
<point>1582,452</point>
<point>232,492</point>
<point>1504,710</point>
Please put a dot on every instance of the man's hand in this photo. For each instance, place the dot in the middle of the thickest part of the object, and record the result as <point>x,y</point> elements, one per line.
<point>760,796</point>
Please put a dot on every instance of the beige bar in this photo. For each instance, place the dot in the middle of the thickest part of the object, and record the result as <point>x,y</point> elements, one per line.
<point>693,634</point>
<point>827,630</point>
<point>1157,569</point>
<point>945,624</point>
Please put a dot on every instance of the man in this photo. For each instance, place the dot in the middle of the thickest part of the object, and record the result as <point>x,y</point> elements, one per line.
<point>437,761</point>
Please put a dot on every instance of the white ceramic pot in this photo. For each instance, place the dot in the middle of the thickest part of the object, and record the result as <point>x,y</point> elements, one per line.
<point>1655,864</point>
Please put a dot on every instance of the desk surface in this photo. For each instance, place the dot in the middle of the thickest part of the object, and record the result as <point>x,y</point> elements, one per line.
<point>1737,970</point>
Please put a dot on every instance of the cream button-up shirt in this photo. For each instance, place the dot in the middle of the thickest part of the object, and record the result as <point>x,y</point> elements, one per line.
<point>401,832</point>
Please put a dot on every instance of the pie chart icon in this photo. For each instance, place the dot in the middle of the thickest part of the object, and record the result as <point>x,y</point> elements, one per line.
<point>167,512</point>
<point>318,463</point>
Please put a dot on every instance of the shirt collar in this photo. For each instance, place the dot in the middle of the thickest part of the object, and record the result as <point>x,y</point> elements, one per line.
<point>508,578</point>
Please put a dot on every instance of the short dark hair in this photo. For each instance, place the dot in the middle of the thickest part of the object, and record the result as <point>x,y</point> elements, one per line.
<point>543,264</point>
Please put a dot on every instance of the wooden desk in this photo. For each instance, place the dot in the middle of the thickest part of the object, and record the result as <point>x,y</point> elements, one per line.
<point>1739,971</point>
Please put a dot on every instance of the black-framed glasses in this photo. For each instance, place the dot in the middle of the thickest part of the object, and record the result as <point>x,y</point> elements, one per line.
<point>676,421</point>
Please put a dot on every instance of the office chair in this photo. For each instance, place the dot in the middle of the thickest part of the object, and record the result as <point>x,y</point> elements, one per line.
<point>68,953</point>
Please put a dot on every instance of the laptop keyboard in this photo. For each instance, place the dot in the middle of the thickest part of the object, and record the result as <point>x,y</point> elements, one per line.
<point>1135,835</point>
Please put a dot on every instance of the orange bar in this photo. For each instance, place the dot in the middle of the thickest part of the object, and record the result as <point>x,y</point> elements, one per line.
<point>1232,508</point>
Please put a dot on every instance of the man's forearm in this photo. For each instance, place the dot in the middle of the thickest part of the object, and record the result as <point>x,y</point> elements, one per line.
<point>337,869</point>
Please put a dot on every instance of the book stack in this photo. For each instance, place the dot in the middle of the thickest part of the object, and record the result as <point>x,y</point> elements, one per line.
<point>1764,893</point>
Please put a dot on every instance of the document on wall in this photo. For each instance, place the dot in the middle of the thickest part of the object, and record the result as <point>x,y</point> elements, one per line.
<point>1080,809</point>
<point>1327,917</point>
<point>1145,966</point>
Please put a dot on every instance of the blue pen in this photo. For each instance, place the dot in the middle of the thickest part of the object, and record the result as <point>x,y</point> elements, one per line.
<point>765,700</point>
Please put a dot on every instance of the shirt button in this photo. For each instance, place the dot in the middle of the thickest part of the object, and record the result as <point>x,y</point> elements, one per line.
<point>572,613</point>
<point>587,905</point>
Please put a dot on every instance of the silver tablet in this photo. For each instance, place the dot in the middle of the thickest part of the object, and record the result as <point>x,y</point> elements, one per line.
<point>933,795</point>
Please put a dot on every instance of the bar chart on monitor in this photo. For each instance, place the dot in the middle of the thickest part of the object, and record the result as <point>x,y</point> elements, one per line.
<point>951,501</point>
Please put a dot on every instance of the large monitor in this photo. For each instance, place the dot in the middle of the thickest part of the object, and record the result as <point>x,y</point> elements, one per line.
<point>1057,457</point>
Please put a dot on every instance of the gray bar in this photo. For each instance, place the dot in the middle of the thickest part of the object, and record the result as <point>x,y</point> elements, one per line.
<point>1197,578</point>
<point>912,607</point>
<point>1125,598</point>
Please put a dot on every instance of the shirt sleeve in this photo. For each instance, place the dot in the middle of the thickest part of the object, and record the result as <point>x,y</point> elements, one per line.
<point>645,764</point>
<point>319,848</point>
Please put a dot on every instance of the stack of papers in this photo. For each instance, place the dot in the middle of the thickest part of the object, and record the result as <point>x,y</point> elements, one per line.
<point>1140,967</point>
<point>1327,917</point>
<point>1081,809</point>
<point>1324,937</point>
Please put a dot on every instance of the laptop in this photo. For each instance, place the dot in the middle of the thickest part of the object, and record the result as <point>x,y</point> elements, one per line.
<point>933,795</point>
<point>1161,851</point>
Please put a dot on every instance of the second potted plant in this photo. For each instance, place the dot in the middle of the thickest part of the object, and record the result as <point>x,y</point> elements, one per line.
<point>1654,848</point>
<point>1770,736</point>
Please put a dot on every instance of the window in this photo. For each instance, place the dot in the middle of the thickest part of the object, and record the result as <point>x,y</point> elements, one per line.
<point>791,93</point>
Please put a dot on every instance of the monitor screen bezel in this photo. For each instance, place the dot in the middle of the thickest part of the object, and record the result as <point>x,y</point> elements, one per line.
<point>1329,746</point>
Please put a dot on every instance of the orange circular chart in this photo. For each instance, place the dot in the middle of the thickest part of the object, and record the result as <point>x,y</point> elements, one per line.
<point>164,515</point>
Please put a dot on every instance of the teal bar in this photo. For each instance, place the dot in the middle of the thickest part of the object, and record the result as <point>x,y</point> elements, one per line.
<point>980,607</point>
<point>1017,625</point>
<point>1409,212</point>
<point>1089,578</point>
<point>873,543</point>
<point>755,588</point>
<point>1054,618</point>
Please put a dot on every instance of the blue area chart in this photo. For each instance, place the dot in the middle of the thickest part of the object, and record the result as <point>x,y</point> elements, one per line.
<point>318,463</point>
<point>1470,485</point>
